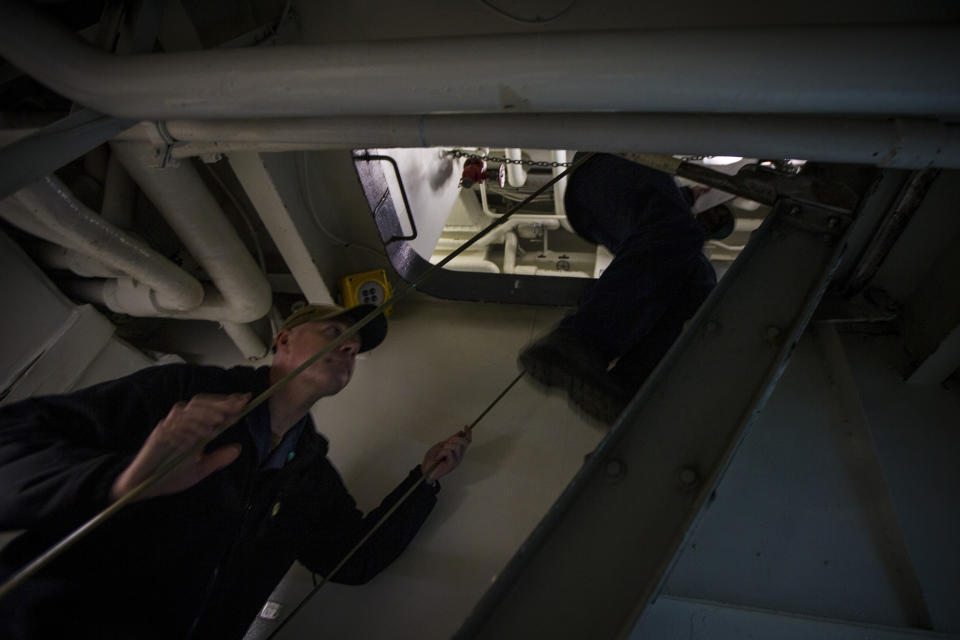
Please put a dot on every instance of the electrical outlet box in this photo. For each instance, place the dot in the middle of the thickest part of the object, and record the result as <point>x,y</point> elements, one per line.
<point>368,287</point>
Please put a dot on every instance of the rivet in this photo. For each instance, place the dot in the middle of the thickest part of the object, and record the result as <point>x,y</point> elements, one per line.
<point>772,333</point>
<point>687,477</point>
<point>615,468</point>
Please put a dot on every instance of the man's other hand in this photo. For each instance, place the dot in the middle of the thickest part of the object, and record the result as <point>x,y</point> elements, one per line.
<point>185,427</point>
<point>446,455</point>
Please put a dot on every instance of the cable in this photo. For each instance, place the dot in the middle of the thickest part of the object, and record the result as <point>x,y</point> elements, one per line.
<point>537,20</point>
<point>164,469</point>
<point>301,160</point>
<point>423,476</point>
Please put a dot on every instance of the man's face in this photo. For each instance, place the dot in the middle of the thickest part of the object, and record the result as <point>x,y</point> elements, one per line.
<point>331,373</point>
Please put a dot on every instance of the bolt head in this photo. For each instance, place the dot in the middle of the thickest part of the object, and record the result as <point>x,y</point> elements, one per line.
<point>687,477</point>
<point>614,468</point>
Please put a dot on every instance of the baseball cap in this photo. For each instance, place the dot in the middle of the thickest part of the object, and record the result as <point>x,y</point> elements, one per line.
<point>371,334</point>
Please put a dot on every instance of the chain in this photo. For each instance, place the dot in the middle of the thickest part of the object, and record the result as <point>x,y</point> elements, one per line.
<point>456,153</point>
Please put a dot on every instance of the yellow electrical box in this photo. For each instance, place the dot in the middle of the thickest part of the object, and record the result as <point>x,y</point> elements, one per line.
<point>369,287</point>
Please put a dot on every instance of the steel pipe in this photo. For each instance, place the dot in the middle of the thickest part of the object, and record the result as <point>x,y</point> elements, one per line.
<point>246,339</point>
<point>193,213</point>
<point>516,175</point>
<point>119,195</point>
<point>49,203</point>
<point>896,143</point>
<point>903,70</point>
<point>55,256</point>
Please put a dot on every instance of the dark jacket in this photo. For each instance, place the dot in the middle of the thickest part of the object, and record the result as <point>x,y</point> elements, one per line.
<point>204,559</point>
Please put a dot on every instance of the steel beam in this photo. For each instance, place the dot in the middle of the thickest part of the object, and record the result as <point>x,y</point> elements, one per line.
<point>859,454</point>
<point>281,224</point>
<point>42,153</point>
<point>597,559</point>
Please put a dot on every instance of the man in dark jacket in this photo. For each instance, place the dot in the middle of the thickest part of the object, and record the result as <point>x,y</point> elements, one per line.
<point>198,554</point>
<point>602,352</point>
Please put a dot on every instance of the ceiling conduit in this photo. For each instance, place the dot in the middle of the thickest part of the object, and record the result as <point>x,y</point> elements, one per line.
<point>842,70</point>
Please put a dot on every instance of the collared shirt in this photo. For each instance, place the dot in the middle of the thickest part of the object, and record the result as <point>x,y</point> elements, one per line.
<point>258,425</point>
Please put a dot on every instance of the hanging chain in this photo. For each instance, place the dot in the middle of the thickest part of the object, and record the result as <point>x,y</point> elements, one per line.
<point>457,153</point>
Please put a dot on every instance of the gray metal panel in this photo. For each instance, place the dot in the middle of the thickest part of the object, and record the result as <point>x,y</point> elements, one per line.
<point>43,310</point>
<point>591,566</point>
<point>679,618</point>
<point>918,443</point>
<point>791,527</point>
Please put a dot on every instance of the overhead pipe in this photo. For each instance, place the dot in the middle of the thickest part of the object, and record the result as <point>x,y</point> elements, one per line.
<point>20,217</point>
<point>51,204</point>
<point>55,256</point>
<point>516,176</point>
<point>125,295</point>
<point>119,194</point>
<point>560,186</point>
<point>898,70</point>
<point>246,339</point>
<point>192,212</point>
<point>900,143</point>
<point>896,143</point>
<point>132,277</point>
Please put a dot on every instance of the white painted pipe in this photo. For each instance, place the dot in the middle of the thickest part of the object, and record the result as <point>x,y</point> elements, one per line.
<point>54,256</point>
<point>246,339</point>
<point>119,195</point>
<point>560,186</point>
<point>124,295</point>
<point>50,203</point>
<point>901,70</point>
<point>472,263</point>
<point>509,252</point>
<point>192,212</point>
<point>897,143</point>
<point>16,214</point>
<point>516,176</point>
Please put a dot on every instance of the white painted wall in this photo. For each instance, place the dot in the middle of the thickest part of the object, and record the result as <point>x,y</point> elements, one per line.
<point>431,180</point>
<point>440,366</point>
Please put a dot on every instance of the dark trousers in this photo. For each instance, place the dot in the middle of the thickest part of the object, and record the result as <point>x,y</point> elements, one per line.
<point>659,275</point>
